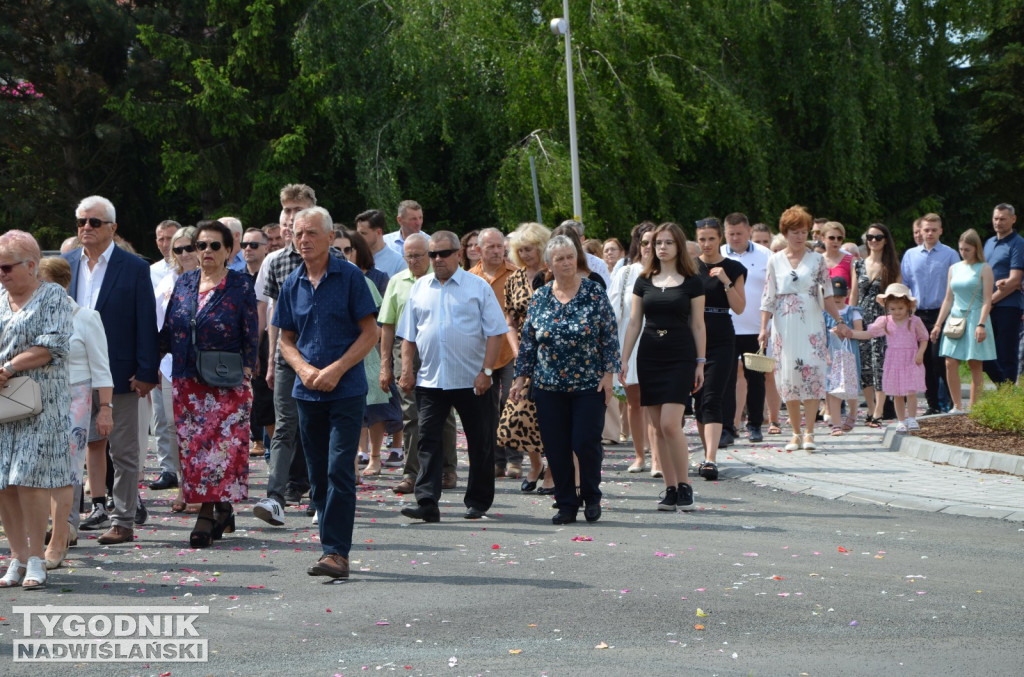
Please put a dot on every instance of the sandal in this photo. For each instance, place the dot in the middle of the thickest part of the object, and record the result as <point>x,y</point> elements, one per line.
<point>202,539</point>
<point>872,422</point>
<point>901,428</point>
<point>774,428</point>
<point>35,571</point>
<point>15,572</point>
<point>708,471</point>
<point>837,431</point>
<point>850,421</point>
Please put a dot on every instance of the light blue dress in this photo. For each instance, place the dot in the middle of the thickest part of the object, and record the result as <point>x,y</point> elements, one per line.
<point>36,451</point>
<point>966,284</point>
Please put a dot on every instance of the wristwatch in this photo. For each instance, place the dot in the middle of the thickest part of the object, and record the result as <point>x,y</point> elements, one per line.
<point>9,368</point>
<point>487,372</point>
<point>107,404</point>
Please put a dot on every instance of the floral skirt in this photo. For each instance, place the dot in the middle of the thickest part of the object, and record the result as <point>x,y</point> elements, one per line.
<point>213,434</point>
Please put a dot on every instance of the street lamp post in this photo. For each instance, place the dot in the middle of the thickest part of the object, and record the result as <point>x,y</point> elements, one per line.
<point>560,26</point>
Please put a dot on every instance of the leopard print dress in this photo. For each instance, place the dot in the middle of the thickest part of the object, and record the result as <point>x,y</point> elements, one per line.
<point>517,427</point>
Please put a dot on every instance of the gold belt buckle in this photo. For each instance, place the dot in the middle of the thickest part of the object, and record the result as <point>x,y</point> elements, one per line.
<point>661,332</point>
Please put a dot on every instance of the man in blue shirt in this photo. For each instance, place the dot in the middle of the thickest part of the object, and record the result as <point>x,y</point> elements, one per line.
<point>925,270</point>
<point>453,321</point>
<point>327,323</point>
<point>1005,253</point>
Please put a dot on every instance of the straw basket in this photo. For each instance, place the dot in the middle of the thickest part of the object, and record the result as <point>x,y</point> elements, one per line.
<point>758,362</point>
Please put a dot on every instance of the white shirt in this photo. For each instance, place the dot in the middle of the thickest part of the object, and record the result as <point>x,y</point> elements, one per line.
<point>90,281</point>
<point>163,298</point>
<point>87,356</point>
<point>261,276</point>
<point>387,260</point>
<point>597,265</point>
<point>159,271</point>
<point>450,324</point>
<point>621,296</point>
<point>756,260</point>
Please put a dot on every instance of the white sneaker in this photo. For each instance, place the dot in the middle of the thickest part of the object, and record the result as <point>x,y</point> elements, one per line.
<point>395,459</point>
<point>955,412</point>
<point>270,511</point>
<point>912,424</point>
<point>316,517</point>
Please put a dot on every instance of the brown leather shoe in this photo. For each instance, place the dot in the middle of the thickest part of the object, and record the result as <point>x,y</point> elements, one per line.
<point>405,486</point>
<point>116,535</point>
<point>449,480</point>
<point>333,565</point>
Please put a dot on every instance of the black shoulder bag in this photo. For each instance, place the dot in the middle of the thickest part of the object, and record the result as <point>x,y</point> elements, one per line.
<point>216,368</point>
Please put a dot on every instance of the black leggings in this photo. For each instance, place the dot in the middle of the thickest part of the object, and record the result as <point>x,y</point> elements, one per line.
<point>718,373</point>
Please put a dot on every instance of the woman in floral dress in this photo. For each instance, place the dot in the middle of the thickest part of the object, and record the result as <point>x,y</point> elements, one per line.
<point>796,277</point>
<point>212,422</point>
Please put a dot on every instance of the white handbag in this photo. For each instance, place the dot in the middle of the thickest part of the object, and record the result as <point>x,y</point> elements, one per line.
<point>19,399</point>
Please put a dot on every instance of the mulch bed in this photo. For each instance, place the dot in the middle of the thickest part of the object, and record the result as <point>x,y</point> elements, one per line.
<point>961,431</point>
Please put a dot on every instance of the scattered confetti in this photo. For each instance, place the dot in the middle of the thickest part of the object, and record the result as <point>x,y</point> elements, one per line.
<point>515,651</point>
<point>602,645</point>
<point>698,627</point>
<point>702,613</point>
<point>495,547</point>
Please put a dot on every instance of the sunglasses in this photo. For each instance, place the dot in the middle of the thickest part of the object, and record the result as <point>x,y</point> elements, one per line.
<point>834,238</point>
<point>442,253</point>
<point>214,246</point>
<point>874,238</point>
<point>181,250</point>
<point>8,267</point>
<point>92,222</point>
<point>251,245</point>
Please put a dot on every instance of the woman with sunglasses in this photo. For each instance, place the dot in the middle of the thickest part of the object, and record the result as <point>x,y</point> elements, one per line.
<point>212,421</point>
<point>183,259</point>
<point>838,262</point>
<point>35,456</point>
<point>875,272</point>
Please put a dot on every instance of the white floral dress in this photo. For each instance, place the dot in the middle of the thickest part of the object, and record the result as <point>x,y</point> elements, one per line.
<point>798,339</point>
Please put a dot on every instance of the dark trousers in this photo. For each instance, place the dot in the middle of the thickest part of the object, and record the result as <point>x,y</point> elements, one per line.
<point>572,422</point>
<point>1006,332</point>
<point>719,371</point>
<point>330,439</point>
<point>745,343</point>
<point>934,364</point>
<point>476,413</point>
<point>499,396</point>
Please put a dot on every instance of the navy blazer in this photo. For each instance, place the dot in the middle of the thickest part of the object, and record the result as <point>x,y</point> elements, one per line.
<point>127,306</point>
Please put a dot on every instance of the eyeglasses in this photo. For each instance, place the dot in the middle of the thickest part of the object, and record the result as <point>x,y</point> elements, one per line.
<point>250,245</point>
<point>8,267</point>
<point>214,246</point>
<point>874,238</point>
<point>92,222</point>
<point>181,250</point>
<point>442,253</point>
<point>415,257</point>
<point>834,238</point>
<point>348,249</point>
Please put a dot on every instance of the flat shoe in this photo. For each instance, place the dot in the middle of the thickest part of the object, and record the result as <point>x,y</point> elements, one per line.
<point>794,443</point>
<point>546,491</point>
<point>638,466</point>
<point>592,512</point>
<point>333,565</point>
<point>564,518</point>
<point>809,442</point>
<point>35,571</point>
<point>474,513</point>
<point>15,572</point>
<point>422,512</point>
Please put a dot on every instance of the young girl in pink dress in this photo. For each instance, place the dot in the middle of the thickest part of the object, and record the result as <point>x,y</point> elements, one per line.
<point>906,340</point>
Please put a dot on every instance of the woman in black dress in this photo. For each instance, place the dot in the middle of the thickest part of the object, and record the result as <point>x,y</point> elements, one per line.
<point>723,291</point>
<point>670,359</point>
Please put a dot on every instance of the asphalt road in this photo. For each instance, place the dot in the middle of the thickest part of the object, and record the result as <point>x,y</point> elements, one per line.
<point>790,585</point>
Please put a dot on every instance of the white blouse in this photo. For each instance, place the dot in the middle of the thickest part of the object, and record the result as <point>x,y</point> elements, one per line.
<point>87,358</point>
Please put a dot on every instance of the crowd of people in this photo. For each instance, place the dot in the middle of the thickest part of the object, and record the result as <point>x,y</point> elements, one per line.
<point>335,352</point>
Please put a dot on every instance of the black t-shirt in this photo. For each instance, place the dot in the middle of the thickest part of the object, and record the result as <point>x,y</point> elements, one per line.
<point>715,295</point>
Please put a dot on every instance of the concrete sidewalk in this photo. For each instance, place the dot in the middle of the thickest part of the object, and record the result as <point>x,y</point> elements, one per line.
<point>866,466</point>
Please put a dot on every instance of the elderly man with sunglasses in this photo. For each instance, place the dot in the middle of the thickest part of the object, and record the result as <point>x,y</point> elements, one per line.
<point>117,284</point>
<point>453,321</point>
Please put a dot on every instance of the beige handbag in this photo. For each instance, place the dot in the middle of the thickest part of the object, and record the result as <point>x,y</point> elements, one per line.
<point>19,399</point>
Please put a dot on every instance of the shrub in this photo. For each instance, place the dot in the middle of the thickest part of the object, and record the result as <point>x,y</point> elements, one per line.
<point>1001,409</point>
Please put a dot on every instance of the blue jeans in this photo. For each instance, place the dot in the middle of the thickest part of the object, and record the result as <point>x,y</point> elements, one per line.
<point>572,422</point>
<point>330,438</point>
<point>1006,333</point>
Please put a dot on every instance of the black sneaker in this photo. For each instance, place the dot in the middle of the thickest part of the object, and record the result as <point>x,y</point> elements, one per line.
<point>668,503</point>
<point>726,439</point>
<point>98,519</point>
<point>141,514</point>
<point>685,497</point>
<point>293,496</point>
<point>310,509</point>
<point>755,433</point>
